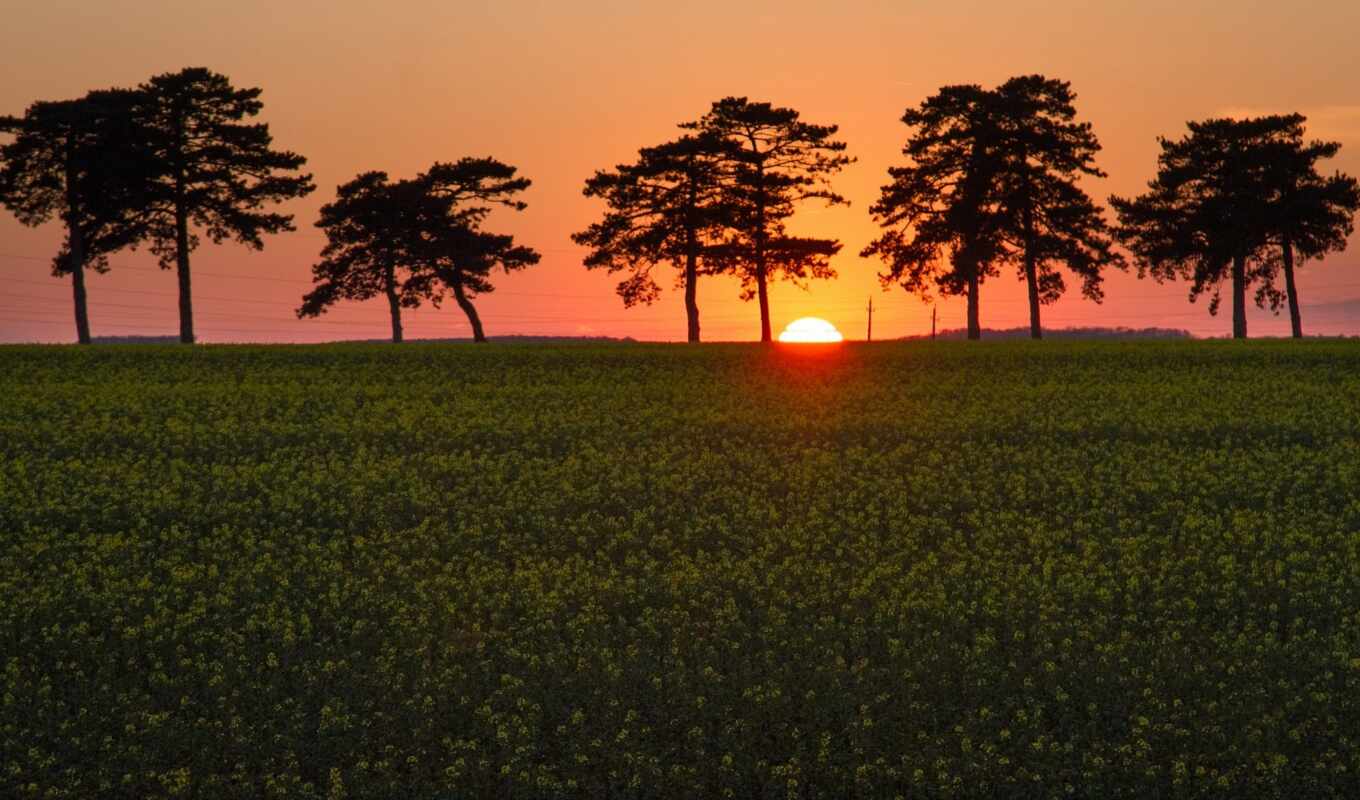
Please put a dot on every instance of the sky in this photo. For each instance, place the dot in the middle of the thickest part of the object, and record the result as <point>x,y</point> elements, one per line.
<point>561,89</point>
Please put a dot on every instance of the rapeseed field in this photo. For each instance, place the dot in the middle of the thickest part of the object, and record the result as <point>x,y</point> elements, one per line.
<point>919,570</point>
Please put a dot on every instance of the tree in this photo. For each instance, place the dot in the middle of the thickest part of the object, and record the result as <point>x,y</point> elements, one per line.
<point>776,162</point>
<point>462,259</point>
<point>366,230</point>
<point>944,228</point>
<point>410,240</point>
<point>451,249</point>
<point>1049,220</point>
<point>214,171</point>
<point>1206,216</point>
<point>668,207</point>
<point>79,161</point>
<point>1311,215</point>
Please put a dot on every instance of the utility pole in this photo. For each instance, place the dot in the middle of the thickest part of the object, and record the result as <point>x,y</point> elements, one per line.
<point>932,323</point>
<point>869,337</point>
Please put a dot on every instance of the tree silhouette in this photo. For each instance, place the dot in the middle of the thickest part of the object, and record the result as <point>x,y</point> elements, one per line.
<point>1311,215</point>
<point>80,161</point>
<point>1207,215</point>
<point>944,229</point>
<point>461,258</point>
<point>215,171</point>
<point>667,207</point>
<point>367,227</point>
<point>452,249</point>
<point>410,240</point>
<point>776,162</point>
<point>1050,220</point>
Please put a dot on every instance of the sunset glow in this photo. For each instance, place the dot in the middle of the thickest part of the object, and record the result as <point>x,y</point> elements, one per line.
<point>357,89</point>
<point>810,330</point>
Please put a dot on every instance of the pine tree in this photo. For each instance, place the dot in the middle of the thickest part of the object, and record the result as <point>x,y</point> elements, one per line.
<point>665,208</point>
<point>777,161</point>
<point>1207,215</point>
<point>1050,220</point>
<point>453,251</point>
<point>214,171</point>
<point>1310,215</point>
<point>364,255</point>
<point>80,161</point>
<point>944,227</point>
<point>411,240</point>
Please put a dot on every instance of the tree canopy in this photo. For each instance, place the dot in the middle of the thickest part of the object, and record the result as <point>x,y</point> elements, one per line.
<point>82,162</point>
<point>668,207</point>
<point>213,171</point>
<point>1207,215</point>
<point>412,240</point>
<point>1309,214</point>
<point>943,228</point>
<point>993,179</point>
<point>1049,220</point>
<point>776,161</point>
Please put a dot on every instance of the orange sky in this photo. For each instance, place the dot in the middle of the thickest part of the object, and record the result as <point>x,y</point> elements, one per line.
<point>562,88</point>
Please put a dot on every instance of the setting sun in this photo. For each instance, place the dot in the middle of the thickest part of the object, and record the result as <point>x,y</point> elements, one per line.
<point>810,330</point>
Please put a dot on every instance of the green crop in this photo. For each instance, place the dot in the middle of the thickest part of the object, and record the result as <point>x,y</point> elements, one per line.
<point>1018,570</point>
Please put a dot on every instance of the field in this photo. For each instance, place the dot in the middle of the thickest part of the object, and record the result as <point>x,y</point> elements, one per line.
<point>1109,570</point>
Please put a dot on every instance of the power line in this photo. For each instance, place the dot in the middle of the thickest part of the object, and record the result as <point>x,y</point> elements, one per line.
<point>579,318</point>
<point>294,281</point>
<point>299,281</point>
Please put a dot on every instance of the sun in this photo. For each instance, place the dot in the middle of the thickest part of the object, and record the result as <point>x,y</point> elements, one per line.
<point>810,330</point>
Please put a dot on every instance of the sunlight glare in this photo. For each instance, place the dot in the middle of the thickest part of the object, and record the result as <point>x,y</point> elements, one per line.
<point>810,330</point>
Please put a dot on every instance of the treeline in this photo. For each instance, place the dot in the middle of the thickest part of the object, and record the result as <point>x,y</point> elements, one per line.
<point>161,165</point>
<point>992,182</point>
<point>178,157</point>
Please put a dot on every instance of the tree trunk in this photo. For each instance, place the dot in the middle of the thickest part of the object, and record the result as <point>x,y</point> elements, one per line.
<point>763,293</point>
<point>1239,290</point>
<point>1295,319</point>
<point>77,264</point>
<point>974,326</point>
<point>75,247</point>
<point>691,289</point>
<point>766,335</point>
<point>393,303</point>
<point>182,270</point>
<point>464,303</point>
<point>186,302</point>
<point>1036,330</point>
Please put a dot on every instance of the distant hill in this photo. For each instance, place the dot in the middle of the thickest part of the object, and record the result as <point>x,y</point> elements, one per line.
<point>951,333</point>
<point>508,339</point>
<point>1066,333</point>
<point>513,339</point>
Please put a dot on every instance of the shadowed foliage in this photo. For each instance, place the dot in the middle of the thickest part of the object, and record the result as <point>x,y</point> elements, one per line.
<point>81,162</point>
<point>450,247</point>
<point>943,229</point>
<point>1210,213</point>
<point>777,161</point>
<point>363,257</point>
<point>411,240</point>
<point>213,171</point>
<point>668,207</point>
<point>1311,215</point>
<point>1050,221</point>
<point>993,179</point>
